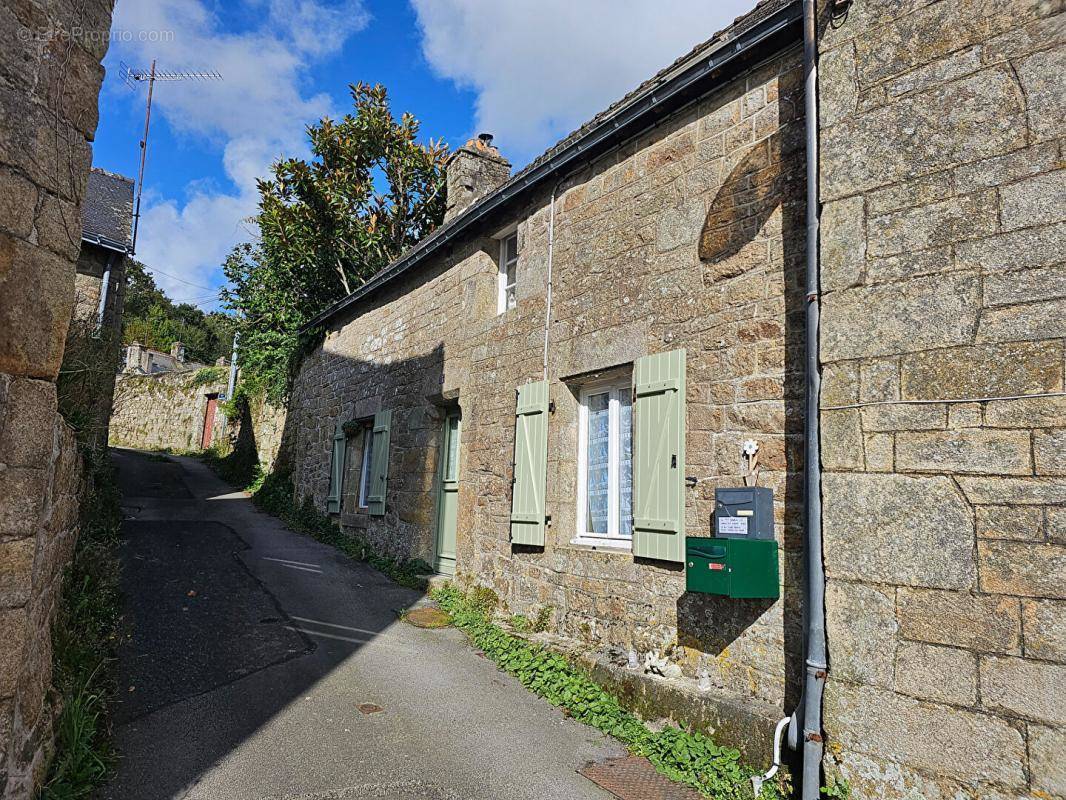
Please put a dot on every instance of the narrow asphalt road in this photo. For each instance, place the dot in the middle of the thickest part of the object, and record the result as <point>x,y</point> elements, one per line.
<point>253,647</point>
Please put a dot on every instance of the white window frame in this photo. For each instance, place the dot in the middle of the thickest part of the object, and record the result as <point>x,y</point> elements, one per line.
<point>364,471</point>
<point>617,388</point>
<point>501,279</point>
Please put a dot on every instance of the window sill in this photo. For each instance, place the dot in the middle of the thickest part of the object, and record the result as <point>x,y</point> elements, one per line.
<point>622,546</point>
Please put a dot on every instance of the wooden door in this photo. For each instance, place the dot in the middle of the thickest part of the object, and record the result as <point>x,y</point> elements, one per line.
<point>209,421</point>
<point>448,494</point>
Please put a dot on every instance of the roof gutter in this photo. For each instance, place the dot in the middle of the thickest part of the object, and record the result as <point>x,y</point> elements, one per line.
<point>688,81</point>
<point>107,244</point>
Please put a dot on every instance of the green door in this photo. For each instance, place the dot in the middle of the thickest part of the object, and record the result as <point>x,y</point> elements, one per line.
<point>448,494</point>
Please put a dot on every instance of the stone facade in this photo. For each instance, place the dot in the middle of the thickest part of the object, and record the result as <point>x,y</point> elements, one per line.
<point>49,84</point>
<point>690,237</point>
<point>167,409</point>
<point>943,412</point>
<point>943,250</point>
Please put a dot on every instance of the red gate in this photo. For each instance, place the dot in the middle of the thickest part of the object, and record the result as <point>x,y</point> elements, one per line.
<point>209,421</point>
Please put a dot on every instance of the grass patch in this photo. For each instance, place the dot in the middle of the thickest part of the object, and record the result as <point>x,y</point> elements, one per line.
<point>687,757</point>
<point>84,638</point>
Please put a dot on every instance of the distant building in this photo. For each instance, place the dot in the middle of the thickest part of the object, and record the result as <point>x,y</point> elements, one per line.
<point>140,360</point>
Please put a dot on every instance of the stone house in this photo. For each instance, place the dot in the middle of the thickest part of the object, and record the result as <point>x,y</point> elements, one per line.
<point>107,215</point>
<point>141,360</point>
<point>94,339</point>
<point>543,395</point>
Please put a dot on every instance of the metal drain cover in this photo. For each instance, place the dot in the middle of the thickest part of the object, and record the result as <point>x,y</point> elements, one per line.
<point>634,778</point>
<point>428,617</point>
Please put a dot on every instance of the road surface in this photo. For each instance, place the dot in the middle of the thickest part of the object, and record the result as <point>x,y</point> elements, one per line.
<point>252,649</point>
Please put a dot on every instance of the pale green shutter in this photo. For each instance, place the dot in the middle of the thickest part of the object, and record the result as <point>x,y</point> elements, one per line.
<point>379,467</point>
<point>659,456</point>
<point>530,464</point>
<point>336,470</point>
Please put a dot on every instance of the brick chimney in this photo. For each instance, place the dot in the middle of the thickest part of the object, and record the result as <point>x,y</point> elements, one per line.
<point>177,352</point>
<point>476,169</point>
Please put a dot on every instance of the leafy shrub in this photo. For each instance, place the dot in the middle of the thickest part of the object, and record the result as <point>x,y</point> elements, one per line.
<point>206,375</point>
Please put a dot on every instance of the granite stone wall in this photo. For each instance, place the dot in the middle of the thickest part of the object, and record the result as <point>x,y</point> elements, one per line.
<point>49,82</point>
<point>944,424</point>
<point>690,237</point>
<point>166,409</point>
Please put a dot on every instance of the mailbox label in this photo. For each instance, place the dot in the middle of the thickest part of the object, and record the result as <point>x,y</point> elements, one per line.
<point>734,525</point>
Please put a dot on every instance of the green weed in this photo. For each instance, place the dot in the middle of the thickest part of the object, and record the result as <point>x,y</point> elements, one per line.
<point>688,757</point>
<point>84,638</point>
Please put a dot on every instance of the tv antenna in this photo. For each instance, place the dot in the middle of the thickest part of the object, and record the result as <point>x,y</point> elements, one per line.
<point>132,77</point>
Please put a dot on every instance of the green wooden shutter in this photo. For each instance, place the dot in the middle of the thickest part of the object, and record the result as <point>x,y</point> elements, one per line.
<point>379,467</point>
<point>336,470</point>
<point>530,464</point>
<point>659,456</point>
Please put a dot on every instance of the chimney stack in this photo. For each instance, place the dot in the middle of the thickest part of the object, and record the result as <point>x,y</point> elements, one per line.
<point>476,169</point>
<point>177,352</point>
<point>134,355</point>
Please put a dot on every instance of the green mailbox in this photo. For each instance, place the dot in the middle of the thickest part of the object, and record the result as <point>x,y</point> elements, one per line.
<point>732,567</point>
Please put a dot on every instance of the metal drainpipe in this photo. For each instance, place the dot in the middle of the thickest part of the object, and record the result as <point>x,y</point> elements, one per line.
<point>105,284</point>
<point>551,252</point>
<point>814,683</point>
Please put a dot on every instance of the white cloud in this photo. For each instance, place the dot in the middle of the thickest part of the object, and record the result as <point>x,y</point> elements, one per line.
<point>540,68</point>
<point>255,114</point>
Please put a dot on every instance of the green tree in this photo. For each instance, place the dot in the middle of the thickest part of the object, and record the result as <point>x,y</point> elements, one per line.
<point>369,193</point>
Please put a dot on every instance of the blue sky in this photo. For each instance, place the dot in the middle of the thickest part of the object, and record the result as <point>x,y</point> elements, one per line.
<point>528,71</point>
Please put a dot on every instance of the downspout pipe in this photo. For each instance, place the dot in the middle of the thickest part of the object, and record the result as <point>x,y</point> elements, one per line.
<point>816,657</point>
<point>551,253</point>
<point>233,367</point>
<point>105,284</point>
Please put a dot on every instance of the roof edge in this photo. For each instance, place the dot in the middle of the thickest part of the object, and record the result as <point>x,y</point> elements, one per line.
<point>692,77</point>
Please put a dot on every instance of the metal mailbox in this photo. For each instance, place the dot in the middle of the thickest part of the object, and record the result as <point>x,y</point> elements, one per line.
<point>745,512</point>
<point>741,568</point>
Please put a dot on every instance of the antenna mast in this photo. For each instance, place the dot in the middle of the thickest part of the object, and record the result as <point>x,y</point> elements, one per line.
<point>132,77</point>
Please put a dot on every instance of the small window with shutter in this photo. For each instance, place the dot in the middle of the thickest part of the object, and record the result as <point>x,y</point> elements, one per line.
<point>336,470</point>
<point>659,456</point>
<point>605,464</point>
<point>530,464</point>
<point>379,463</point>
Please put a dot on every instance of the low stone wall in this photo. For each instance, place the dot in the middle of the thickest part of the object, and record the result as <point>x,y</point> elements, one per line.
<point>268,427</point>
<point>165,410</point>
<point>37,542</point>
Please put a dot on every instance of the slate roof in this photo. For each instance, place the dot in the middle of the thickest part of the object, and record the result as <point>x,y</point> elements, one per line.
<point>107,211</point>
<point>705,59</point>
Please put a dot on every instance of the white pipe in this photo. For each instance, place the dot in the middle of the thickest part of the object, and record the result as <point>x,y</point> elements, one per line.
<point>105,284</point>
<point>757,781</point>
<point>233,367</point>
<point>548,301</point>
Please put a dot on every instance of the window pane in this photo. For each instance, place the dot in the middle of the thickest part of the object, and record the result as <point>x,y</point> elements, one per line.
<point>598,462</point>
<point>511,248</point>
<point>625,462</point>
<point>368,456</point>
<point>453,449</point>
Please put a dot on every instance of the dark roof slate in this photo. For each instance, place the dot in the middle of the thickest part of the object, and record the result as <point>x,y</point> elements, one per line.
<point>107,211</point>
